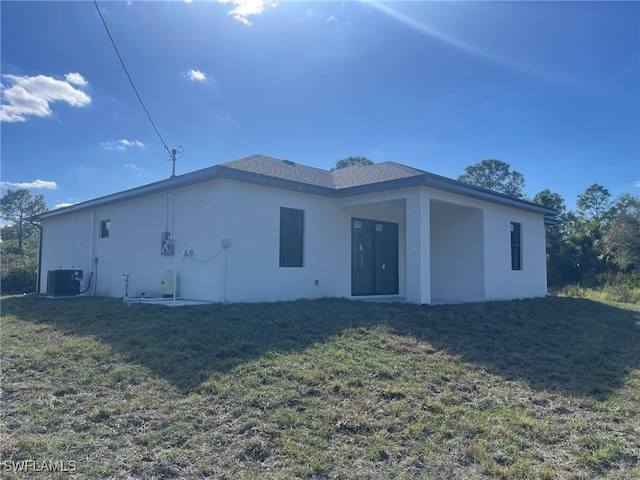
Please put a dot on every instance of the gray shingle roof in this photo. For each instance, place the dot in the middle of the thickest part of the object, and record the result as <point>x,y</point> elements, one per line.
<point>376,173</point>
<point>337,179</point>
<point>273,167</point>
<point>268,171</point>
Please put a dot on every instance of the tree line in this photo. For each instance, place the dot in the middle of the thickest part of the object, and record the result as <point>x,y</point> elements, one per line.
<point>20,241</point>
<point>595,245</point>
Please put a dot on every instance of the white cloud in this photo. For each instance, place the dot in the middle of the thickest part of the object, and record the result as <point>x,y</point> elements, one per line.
<point>244,8</point>
<point>196,75</point>
<point>332,19</point>
<point>122,144</point>
<point>637,184</point>
<point>26,97</point>
<point>76,79</point>
<point>36,184</point>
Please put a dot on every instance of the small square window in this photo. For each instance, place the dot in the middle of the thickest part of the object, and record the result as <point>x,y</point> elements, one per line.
<point>105,228</point>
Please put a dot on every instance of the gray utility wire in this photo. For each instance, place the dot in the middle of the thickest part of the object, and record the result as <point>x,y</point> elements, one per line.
<point>129,76</point>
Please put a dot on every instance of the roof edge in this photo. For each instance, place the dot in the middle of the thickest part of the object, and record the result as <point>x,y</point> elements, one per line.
<point>452,186</point>
<point>149,189</point>
<point>220,171</point>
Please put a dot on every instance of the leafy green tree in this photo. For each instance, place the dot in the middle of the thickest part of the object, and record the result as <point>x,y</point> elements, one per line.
<point>585,239</point>
<point>550,199</point>
<point>595,202</point>
<point>559,265</point>
<point>352,161</point>
<point>598,244</point>
<point>495,175</point>
<point>19,241</point>
<point>626,201</point>
<point>622,235</point>
<point>16,206</point>
<point>583,249</point>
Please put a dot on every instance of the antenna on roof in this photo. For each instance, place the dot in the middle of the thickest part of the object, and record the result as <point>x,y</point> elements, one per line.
<point>174,154</point>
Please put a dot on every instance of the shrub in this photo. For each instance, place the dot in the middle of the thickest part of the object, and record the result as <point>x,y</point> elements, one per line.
<point>19,276</point>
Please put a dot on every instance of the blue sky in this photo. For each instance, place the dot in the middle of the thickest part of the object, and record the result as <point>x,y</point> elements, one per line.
<point>553,88</point>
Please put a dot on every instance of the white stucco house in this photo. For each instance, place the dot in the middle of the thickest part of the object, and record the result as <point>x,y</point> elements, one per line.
<point>264,229</point>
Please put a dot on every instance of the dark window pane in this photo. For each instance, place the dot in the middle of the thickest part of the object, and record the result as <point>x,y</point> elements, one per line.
<point>291,237</point>
<point>516,246</point>
<point>105,227</point>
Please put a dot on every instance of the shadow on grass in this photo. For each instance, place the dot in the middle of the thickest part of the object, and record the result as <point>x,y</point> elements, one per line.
<point>573,346</point>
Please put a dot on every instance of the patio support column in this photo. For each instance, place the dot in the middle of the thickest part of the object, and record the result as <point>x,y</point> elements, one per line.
<point>418,247</point>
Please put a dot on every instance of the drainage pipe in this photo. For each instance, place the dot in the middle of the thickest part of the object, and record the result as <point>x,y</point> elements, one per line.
<point>39,275</point>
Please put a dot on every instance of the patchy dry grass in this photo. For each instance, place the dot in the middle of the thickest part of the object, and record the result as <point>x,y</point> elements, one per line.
<point>546,388</point>
<point>618,292</point>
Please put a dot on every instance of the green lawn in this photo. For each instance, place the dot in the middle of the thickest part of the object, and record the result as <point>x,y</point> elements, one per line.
<point>546,388</point>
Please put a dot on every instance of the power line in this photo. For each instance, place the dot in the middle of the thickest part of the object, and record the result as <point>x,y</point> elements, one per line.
<point>166,148</point>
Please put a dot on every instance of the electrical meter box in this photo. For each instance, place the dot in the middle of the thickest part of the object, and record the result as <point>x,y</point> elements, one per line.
<point>167,244</point>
